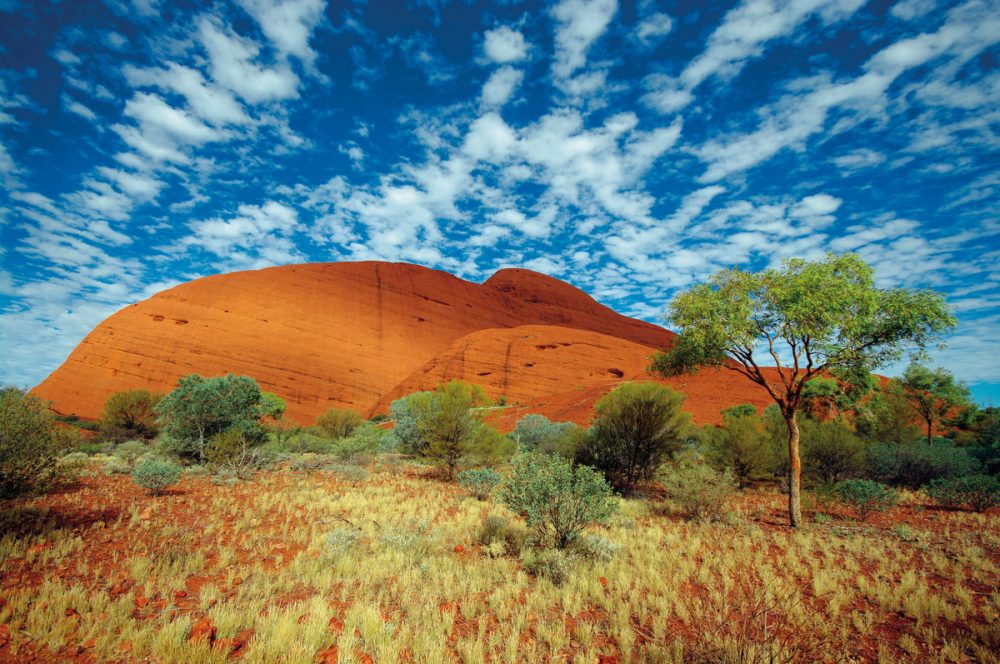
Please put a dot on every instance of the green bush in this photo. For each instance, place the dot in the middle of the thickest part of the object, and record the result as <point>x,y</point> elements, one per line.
<point>536,433</point>
<point>362,443</point>
<point>557,500</point>
<point>742,445</point>
<point>594,548</point>
<point>130,451</point>
<point>338,423</point>
<point>306,441</point>
<point>340,541</point>
<point>155,475</point>
<point>498,536</point>
<point>867,496</point>
<point>29,445</point>
<point>830,451</point>
<point>480,482</point>
<point>914,465</point>
<point>129,415</point>
<point>551,564</point>
<point>702,493</point>
<point>233,452</point>
<point>978,492</point>
<point>638,427</point>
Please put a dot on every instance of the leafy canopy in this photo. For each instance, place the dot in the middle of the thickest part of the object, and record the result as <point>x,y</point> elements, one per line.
<point>809,318</point>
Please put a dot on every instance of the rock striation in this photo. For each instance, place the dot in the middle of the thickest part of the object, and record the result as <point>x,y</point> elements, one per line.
<point>358,335</point>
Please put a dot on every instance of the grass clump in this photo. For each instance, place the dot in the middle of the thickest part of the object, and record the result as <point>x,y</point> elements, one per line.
<point>499,537</point>
<point>701,493</point>
<point>551,564</point>
<point>977,492</point>
<point>340,542</point>
<point>867,496</point>
<point>156,475</point>
<point>479,482</point>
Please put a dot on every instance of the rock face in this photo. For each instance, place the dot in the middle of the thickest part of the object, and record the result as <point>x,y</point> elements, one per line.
<point>358,335</point>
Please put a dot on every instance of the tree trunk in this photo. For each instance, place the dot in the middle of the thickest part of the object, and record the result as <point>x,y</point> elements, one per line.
<point>794,472</point>
<point>930,431</point>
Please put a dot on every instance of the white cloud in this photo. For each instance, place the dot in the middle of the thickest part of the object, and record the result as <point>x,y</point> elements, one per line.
<point>500,86</point>
<point>489,139</point>
<point>77,108</point>
<point>858,159</point>
<point>744,32</point>
<point>211,103</point>
<point>156,115</point>
<point>654,28</point>
<point>257,236</point>
<point>580,24</point>
<point>288,23</point>
<point>233,64</point>
<point>503,45</point>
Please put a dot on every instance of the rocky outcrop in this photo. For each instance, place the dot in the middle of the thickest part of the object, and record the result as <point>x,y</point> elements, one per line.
<point>358,335</point>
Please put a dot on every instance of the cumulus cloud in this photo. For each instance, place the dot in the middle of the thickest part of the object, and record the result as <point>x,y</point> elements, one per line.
<point>500,86</point>
<point>288,24</point>
<point>504,45</point>
<point>234,65</point>
<point>580,23</point>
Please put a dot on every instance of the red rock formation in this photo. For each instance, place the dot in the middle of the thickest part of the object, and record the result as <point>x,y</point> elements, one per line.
<point>359,334</point>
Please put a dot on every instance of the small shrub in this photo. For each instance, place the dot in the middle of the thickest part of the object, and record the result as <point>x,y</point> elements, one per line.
<point>412,537</point>
<point>830,451</point>
<point>914,465</point>
<point>155,475</point>
<point>353,474</point>
<point>978,492</point>
<point>551,564</point>
<point>340,541</point>
<point>480,482</point>
<point>867,496</point>
<point>234,452</point>
<point>499,537</point>
<point>115,466</point>
<point>595,548</point>
<point>701,493</point>
<point>29,445</point>
<point>130,451</point>
<point>307,441</point>
<point>362,443</point>
<point>557,500</point>
<point>339,423</point>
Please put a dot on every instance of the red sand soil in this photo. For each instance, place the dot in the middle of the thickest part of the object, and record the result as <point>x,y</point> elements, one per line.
<point>357,335</point>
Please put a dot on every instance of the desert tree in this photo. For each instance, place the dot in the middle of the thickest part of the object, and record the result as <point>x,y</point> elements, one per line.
<point>130,414</point>
<point>933,394</point>
<point>808,318</point>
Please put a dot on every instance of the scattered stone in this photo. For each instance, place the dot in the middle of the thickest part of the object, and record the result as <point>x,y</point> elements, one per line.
<point>141,602</point>
<point>459,548</point>
<point>203,630</point>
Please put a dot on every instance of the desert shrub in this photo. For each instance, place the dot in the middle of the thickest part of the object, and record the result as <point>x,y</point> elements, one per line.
<point>498,535</point>
<point>29,445</point>
<point>92,447</point>
<point>129,415</point>
<point>352,474</point>
<point>130,451</point>
<point>311,462</point>
<point>340,541</point>
<point>233,452</point>
<point>338,423</point>
<point>594,548</point>
<point>830,451</point>
<point>557,500</point>
<point>638,427</point>
<point>155,476</point>
<point>364,441</point>
<point>551,564</point>
<point>536,433</point>
<point>116,466</point>
<point>916,464</point>
<point>413,537</point>
<point>978,492</point>
<point>480,482</point>
<point>701,493</point>
<point>306,440</point>
<point>742,445</point>
<point>867,496</point>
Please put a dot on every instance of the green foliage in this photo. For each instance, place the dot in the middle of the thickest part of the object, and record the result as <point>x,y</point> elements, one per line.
<point>405,428</point>
<point>364,441</point>
<point>450,429</point>
<point>830,451</point>
<point>536,433</point>
<point>638,427</point>
<point>155,475</point>
<point>131,450</point>
<point>701,493</point>
<point>235,453</point>
<point>887,417</point>
<point>338,423</point>
<point>594,548</point>
<point>740,410</point>
<point>916,464</point>
<point>867,496</point>
<point>200,408</point>
<point>557,500</point>
<point>933,394</point>
<point>551,564</point>
<point>479,482</point>
<point>977,492</point>
<point>129,415</point>
<point>742,445</point>
<point>305,440</point>
<point>498,536</point>
<point>30,446</point>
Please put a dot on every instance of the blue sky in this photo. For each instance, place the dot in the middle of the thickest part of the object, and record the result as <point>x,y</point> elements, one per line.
<point>631,149</point>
